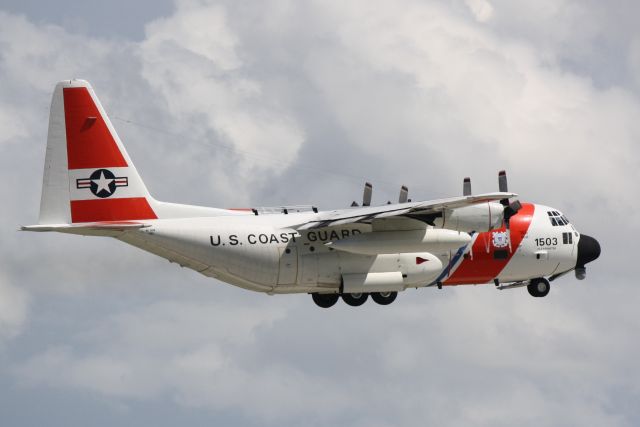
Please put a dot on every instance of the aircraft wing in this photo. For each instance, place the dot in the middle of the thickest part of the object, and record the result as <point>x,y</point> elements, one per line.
<point>411,209</point>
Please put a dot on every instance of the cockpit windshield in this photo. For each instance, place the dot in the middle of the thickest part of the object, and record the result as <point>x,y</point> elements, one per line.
<point>557,219</point>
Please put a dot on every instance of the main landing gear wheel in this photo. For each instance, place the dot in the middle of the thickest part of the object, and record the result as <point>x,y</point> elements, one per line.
<point>325,300</point>
<point>384,298</point>
<point>538,287</point>
<point>355,300</point>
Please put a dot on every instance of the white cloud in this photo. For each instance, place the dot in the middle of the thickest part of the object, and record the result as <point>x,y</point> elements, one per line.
<point>634,61</point>
<point>11,124</point>
<point>198,28</point>
<point>44,54</point>
<point>202,354</point>
<point>461,91</point>
<point>466,356</point>
<point>14,303</point>
<point>481,9</point>
<point>193,59</point>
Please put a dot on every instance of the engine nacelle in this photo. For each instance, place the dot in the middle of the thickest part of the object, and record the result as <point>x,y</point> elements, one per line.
<point>478,218</point>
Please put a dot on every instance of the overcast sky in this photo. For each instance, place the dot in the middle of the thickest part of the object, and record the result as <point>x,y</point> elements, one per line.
<point>290,102</point>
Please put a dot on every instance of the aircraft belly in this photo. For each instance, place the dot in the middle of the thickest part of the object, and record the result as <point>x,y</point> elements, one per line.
<point>160,248</point>
<point>255,265</point>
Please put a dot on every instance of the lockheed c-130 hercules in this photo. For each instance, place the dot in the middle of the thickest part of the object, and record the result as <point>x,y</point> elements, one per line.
<point>91,187</point>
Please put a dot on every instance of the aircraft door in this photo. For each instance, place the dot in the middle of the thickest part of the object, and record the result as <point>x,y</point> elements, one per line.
<point>288,270</point>
<point>309,269</point>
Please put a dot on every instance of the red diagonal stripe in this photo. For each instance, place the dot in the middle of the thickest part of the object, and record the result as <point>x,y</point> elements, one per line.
<point>484,267</point>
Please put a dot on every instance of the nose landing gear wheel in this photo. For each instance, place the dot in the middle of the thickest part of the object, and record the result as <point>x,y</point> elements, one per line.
<point>539,287</point>
<point>355,300</point>
<point>384,298</point>
<point>325,300</point>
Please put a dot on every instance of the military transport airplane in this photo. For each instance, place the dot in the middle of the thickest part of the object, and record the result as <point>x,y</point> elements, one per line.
<point>91,187</point>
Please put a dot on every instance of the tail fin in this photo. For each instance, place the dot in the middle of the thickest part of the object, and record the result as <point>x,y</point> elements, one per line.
<point>88,175</point>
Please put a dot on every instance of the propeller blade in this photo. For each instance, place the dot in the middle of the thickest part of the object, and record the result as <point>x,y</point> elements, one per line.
<point>466,187</point>
<point>502,181</point>
<point>366,196</point>
<point>502,186</point>
<point>509,211</point>
<point>404,194</point>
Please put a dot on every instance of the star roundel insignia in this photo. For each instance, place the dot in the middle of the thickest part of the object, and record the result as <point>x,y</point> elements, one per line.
<point>102,183</point>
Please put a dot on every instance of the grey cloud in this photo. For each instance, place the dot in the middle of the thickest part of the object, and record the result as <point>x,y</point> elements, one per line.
<point>118,19</point>
<point>13,310</point>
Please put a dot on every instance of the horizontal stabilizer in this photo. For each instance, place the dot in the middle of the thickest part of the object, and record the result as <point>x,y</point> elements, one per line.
<point>96,228</point>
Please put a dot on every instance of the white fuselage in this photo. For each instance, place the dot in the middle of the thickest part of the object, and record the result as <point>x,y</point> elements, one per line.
<point>265,253</point>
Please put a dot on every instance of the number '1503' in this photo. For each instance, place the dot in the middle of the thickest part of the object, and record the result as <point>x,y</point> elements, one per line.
<point>547,241</point>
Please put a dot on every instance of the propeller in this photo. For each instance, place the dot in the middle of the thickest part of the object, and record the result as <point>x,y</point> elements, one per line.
<point>510,208</point>
<point>366,196</point>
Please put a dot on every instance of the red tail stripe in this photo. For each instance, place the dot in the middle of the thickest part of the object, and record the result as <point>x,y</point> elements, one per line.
<point>90,144</point>
<point>134,208</point>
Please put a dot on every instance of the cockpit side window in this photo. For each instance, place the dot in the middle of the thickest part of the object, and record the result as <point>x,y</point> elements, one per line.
<point>557,219</point>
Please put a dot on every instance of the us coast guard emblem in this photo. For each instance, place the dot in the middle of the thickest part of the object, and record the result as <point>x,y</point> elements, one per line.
<point>500,239</point>
<point>102,183</point>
